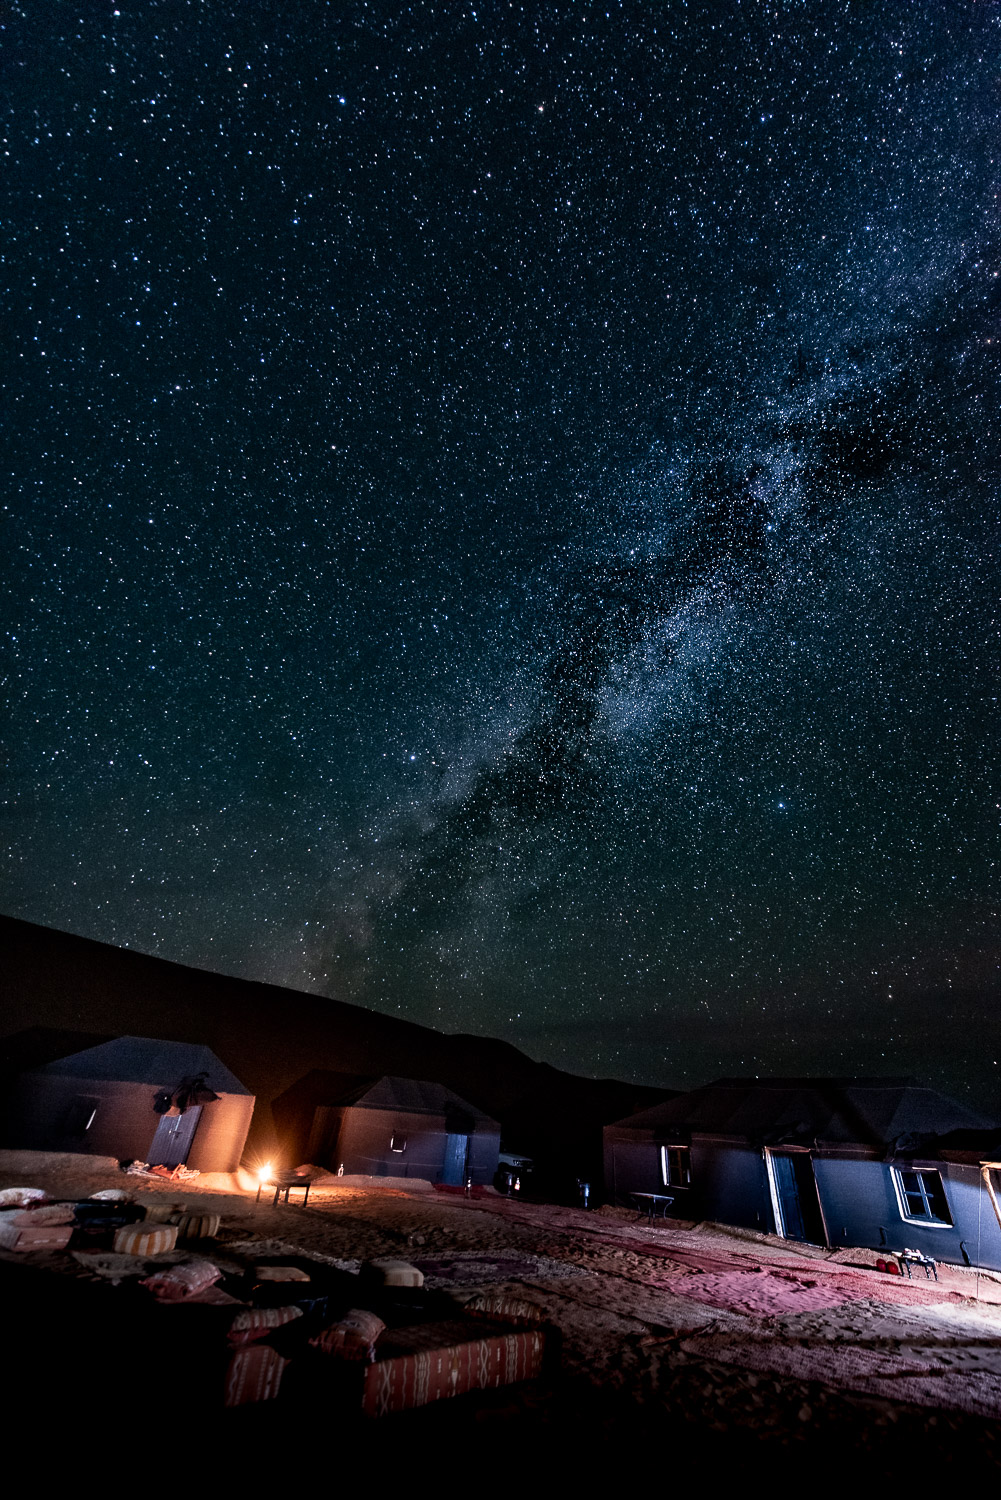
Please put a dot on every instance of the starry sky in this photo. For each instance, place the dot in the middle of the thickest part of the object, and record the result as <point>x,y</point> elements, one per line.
<point>502,515</point>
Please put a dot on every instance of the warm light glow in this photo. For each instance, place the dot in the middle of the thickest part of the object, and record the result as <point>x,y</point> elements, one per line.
<point>264,1172</point>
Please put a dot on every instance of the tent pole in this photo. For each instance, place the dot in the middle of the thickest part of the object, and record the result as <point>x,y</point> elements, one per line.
<point>985,1172</point>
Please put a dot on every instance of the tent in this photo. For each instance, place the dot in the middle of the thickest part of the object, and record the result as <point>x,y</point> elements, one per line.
<point>388,1127</point>
<point>133,1097</point>
<point>829,1161</point>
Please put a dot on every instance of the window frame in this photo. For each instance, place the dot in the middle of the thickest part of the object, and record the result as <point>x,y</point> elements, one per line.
<point>685,1166</point>
<point>398,1135</point>
<point>926,1221</point>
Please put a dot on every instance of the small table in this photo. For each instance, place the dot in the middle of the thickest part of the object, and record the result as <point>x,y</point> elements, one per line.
<point>651,1205</point>
<point>907,1258</point>
<point>284,1185</point>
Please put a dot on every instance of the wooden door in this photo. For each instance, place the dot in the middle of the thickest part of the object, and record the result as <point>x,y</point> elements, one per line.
<point>787,1193</point>
<point>453,1169</point>
<point>172,1141</point>
<point>797,1201</point>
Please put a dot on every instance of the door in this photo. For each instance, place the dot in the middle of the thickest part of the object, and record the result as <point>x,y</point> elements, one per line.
<point>453,1168</point>
<point>173,1138</point>
<point>794,1197</point>
<point>787,1196</point>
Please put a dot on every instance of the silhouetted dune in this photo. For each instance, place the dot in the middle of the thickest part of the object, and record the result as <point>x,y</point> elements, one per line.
<point>62,992</point>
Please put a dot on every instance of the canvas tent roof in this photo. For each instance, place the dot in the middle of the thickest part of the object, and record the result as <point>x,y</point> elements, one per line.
<point>413,1096</point>
<point>875,1112</point>
<point>143,1059</point>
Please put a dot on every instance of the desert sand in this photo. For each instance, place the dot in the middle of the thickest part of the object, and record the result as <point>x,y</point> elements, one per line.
<point>669,1332</point>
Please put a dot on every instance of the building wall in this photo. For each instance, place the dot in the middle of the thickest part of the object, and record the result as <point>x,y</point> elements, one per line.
<point>363,1146</point>
<point>730,1186</point>
<point>859,1203</point>
<point>729,1183</point>
<point>973,1212</point>
<point>222,1134</point>
<point>321,1145</point>
<point>631,1167</point>
<point>861,1208</point>
<point>41,1105</point>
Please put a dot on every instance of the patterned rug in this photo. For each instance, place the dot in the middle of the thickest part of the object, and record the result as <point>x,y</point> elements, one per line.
<point>479,1268</point>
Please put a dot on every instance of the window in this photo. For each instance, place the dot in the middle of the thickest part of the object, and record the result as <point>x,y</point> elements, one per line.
<point>922,1196</point>
<point>397,1142</point>
<point>675,1166</point>
<point>80,1115</point>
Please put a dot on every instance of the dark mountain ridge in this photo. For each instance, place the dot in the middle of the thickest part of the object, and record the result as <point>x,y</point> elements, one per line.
<point>61,992</point>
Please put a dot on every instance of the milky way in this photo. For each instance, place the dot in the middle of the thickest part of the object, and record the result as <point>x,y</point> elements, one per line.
<point>503,514</point>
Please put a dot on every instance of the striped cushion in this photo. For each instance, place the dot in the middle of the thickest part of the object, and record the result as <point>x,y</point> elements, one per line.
<point>254,1374</point>
<point>514,1310</point>
<point>163,1213</point>
<point>145,1239</point>
<point>178,1283</point>
<point>445,1363</point>
<point>353,1337</point>
<point>258,1322</point>
<point>198,1226</point>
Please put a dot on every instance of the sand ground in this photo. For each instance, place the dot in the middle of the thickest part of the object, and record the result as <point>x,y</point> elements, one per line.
<point>669,1333</point>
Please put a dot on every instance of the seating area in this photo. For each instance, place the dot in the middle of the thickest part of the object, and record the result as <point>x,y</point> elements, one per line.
<point>267,1328</point>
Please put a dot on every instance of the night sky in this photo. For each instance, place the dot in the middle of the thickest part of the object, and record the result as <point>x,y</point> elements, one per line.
<point>502,515</point>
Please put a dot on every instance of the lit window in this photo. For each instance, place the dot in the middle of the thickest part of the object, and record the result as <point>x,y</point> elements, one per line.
<point>398,1142</point>
<point>675,1166</point>
<point>922,1196</point>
